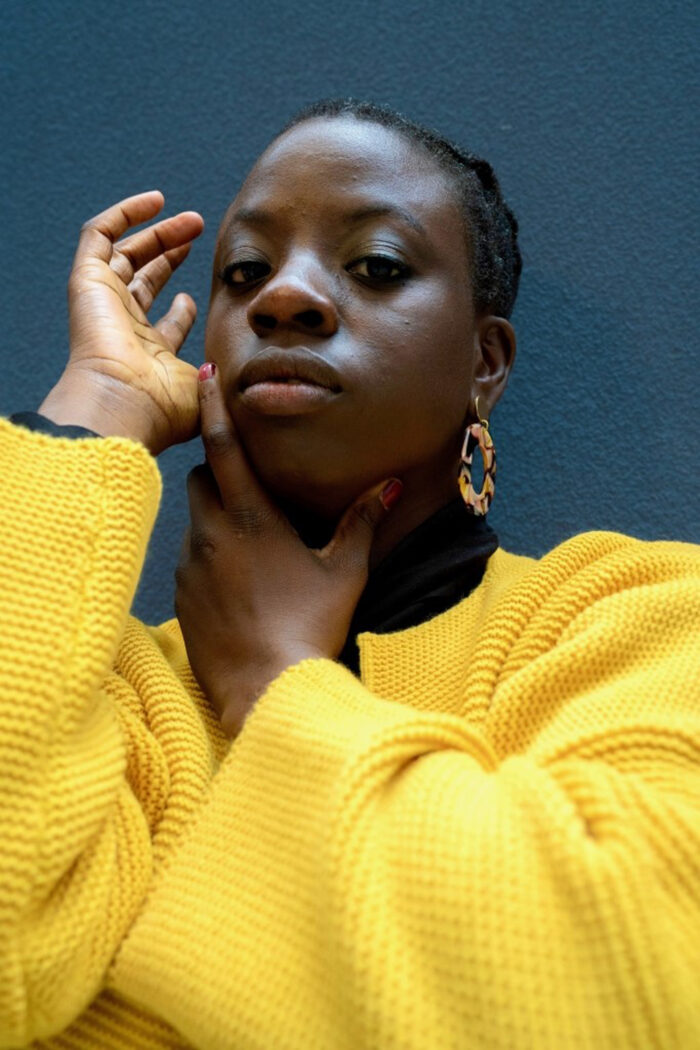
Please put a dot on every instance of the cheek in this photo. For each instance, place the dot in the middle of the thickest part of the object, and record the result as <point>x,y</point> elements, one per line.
<point>423,357</point>
<point>409,365</point>
<point>224,337</point>
<point>213,330</point>
<point>423,407</point>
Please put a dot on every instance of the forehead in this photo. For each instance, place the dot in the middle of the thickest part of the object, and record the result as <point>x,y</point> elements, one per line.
<point>324,163</point>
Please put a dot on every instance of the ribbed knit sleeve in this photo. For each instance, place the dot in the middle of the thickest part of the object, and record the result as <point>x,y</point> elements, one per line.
<point>75,850</point>
<point>522,872</point>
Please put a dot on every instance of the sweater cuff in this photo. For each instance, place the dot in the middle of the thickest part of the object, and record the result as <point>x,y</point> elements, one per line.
<point>321,716</point>
<point>35,421</point>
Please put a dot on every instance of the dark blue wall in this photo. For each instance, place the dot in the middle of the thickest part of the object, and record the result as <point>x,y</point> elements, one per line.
<point>587,112</point>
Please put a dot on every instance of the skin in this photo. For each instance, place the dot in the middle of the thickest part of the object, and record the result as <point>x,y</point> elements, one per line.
<point>123,376</point>
<point>295,266</point>
<point>411,354</point>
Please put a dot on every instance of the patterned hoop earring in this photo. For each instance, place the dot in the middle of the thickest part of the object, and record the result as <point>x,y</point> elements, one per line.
<point>477,436</point>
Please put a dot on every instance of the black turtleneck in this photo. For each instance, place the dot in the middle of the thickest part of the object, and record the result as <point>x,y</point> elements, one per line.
<point>430,570</point>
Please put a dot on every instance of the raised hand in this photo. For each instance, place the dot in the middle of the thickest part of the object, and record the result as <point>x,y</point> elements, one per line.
<point>123,375</point>
<point>251,598</point>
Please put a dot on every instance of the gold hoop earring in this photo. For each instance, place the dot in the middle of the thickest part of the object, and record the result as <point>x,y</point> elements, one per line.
<point>477,435</point>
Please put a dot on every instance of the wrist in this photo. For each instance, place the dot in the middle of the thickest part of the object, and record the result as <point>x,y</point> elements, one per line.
<point>93,403</point>
<point>244,688</point>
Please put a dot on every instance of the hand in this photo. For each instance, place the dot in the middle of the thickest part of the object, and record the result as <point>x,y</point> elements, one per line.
<point>123,375</point>
<point>251,598</point>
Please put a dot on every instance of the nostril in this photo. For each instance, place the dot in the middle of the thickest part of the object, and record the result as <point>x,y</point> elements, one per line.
<point>310,318</point>
<point>265,321</point>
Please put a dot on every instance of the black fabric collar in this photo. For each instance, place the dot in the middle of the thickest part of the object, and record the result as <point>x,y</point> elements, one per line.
<point>431,569</point>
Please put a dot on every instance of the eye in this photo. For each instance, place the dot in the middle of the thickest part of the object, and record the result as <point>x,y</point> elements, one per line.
<point>382,269</point>
<point>246,271</point>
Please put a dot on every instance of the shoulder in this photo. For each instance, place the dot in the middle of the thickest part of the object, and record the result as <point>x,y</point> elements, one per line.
<point>599,591</point>
<point>594,584</point>
<point>600,636</point>
<point>599,563</point>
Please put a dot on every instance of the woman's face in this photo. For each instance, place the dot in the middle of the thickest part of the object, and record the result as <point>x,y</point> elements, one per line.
<point>341,318</point>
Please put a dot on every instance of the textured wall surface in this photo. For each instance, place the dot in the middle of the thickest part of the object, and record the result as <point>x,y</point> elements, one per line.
<point>585,110</point>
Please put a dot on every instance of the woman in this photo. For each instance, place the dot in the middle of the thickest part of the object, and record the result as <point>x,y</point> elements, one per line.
<point>487,835</point>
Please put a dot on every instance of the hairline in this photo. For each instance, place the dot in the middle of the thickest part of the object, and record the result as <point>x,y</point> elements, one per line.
<point>442,163</point>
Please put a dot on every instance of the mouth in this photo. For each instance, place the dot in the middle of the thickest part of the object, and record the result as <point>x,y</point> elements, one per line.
<point>295,366</point>
<point>287,382</point>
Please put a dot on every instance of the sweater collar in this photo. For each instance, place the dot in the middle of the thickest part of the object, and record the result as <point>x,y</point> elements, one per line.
<point>433,568</point>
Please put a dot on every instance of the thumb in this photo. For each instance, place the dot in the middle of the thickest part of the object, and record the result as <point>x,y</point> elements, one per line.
<point>349,549</point>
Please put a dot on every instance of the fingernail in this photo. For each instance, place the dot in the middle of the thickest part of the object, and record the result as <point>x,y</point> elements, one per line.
<point>390,493</point>
<point>207,371</point>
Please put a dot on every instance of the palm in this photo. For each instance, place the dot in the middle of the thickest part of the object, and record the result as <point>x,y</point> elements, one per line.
<point>111,334</point>
<point>114,347</point>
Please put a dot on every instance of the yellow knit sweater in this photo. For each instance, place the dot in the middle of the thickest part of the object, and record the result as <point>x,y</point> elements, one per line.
<point>491,841</point>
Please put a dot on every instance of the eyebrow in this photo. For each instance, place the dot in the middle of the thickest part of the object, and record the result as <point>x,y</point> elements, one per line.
<point>393,210</point>
<point>260,217</point>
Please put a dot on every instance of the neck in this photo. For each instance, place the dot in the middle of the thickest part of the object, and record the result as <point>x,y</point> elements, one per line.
<point>314,529</point>
<point>414,507</point>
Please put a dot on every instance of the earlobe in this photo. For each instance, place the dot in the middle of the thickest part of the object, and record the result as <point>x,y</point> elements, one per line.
<point>495,353</point>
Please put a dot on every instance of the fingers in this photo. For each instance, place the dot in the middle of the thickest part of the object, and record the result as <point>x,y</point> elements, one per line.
<point>246,503</point>
<point>350,547</point>
<point>99,234</point>
<point>153,277</point>
<point>205,502</point>
<point>176,325</point>
<point>134,252</point>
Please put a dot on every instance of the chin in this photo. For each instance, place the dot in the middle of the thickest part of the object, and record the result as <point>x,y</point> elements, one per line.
<point>310,465</point>
<point>302,484</point>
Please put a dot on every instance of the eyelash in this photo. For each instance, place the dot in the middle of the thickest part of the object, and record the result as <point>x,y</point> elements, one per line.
<point>402,271</point>
<point>227,273</point>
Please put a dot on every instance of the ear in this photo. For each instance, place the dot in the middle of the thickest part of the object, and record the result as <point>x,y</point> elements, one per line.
<point>495,341</point>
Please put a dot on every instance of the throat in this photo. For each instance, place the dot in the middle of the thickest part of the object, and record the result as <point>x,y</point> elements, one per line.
<point>314,530</point>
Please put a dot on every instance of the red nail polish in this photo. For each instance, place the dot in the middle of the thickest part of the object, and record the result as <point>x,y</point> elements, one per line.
<point>207,371</point>
<point>390,493</point>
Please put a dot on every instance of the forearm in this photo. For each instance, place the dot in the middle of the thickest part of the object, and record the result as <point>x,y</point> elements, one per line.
<point>76,516</point>
<point>76,520</point>
<point>514,863</point>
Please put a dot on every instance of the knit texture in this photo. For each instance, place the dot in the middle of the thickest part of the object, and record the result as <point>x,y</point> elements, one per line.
<point>491,840</point>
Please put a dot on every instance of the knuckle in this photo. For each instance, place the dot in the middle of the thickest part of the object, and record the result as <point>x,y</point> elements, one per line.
<point>249,520</point>
<point>176,323</point>
<point>147,280</point>
<point>363,514</point>
<point>94,225</point>
<point>217,437</point>
<point>202,547</point>
<point>121,258</point>
<point>143,286</point>
<point>79,283</point>
<point>86,270</point>
<point>162,246</point>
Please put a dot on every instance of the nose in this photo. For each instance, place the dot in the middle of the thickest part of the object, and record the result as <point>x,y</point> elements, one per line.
<point>296,298</point>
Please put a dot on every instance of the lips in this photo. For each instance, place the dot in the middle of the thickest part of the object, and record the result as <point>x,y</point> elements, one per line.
<point>295,365</point>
